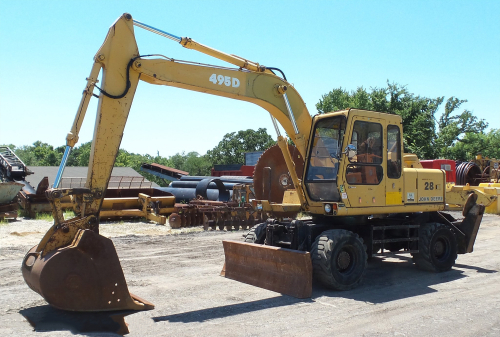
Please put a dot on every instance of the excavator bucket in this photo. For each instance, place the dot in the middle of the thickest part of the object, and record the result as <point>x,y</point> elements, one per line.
<point>278,269</point>
<point>84,276</point>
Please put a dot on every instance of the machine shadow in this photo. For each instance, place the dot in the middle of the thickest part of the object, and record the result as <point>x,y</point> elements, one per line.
<point>477,269</point>
<point>394,279</point>
<point>386,280</point>
<point>231,310</point>
<point>46,318</point>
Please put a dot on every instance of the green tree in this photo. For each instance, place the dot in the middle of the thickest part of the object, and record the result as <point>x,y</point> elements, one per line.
<point>229,151</point>
<point>25,153</point>
<point>421,134</point>
<point>79,156</point>
<point>453,127</point>
<point>192,162</point>
<point>487,144</point>
<point>232,147</point>
<point>38,154</point>
<point>134,160</point>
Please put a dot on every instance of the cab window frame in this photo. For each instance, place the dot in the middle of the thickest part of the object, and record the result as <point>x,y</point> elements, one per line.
<point>317,187</point>
<point>398,162</point>
<point>362,167</point>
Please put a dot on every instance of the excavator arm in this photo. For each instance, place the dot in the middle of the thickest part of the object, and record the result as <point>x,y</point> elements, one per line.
<point>73,267</point>
<point>123,67</point>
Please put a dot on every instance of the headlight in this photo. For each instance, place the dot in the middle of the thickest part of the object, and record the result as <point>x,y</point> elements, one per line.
<point>328,208</point>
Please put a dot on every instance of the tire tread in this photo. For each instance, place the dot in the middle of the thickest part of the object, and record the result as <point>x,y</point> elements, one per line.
<point>423,258</point>
<point>257,234</point>
<point>321,252</point>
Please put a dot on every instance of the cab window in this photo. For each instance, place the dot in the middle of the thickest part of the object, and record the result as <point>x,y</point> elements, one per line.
<point>324,155</point>
<point>393,152</point>
<point>365,167</point>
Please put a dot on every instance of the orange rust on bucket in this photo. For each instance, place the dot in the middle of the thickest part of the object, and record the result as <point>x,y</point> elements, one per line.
<point>84,276</point>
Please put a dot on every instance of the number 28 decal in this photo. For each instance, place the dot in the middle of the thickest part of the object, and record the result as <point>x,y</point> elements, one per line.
<point>429,186</point>
<point>226,80</point>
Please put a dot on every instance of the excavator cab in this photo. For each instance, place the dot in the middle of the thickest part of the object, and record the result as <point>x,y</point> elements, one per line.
<point>361,201</point>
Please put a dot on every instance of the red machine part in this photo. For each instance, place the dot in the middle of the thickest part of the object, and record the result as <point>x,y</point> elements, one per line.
<point>244,171</point>
<point>442,164</point>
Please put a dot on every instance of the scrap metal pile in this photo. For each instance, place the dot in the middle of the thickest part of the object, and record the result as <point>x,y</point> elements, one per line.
<point>226,208</point>
<point>8,204</point>
<point>215,202</point>
<point>478,171</point>
<point>225,202</point>
<point>237,213</point>
<point>12,174</point>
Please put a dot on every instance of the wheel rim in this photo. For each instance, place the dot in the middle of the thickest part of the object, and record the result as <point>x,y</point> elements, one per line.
<point>441,249</point>
<point>345,260</point>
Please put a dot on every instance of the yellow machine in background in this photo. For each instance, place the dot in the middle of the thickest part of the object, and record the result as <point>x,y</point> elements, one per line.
<point>363,195</point>
<point>489,167</point>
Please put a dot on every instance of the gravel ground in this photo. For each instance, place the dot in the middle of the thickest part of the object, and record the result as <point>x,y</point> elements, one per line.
<point>178,271</point>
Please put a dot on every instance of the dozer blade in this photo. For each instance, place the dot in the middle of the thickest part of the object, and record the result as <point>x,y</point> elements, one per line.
<point>278,269</point>
<point>84,276</point>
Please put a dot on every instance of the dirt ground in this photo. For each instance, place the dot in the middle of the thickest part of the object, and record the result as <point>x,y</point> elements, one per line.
<point>179,273</point>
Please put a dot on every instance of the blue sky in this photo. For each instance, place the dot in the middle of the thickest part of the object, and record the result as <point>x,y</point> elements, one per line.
<point>436,48</point>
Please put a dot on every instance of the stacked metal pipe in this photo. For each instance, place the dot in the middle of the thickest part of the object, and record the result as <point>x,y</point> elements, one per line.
<point>210,188</point>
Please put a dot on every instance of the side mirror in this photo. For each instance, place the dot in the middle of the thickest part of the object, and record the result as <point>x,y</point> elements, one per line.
<point>350,151</point>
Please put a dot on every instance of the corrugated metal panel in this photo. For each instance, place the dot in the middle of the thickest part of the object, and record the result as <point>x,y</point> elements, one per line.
<point>79,172</point>
<point>184,173</point>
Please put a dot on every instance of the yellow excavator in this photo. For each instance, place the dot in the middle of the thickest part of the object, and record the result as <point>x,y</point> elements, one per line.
<point>362,194</point>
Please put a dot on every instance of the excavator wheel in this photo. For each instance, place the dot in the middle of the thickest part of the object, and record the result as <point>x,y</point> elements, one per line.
<point>339,259</point>
<point>437,248</point>
<point>257,234</point>
<point>84,276</point>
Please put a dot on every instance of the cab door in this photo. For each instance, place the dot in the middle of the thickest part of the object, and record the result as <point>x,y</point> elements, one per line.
<point>364,173</point>
<point>394,184</point>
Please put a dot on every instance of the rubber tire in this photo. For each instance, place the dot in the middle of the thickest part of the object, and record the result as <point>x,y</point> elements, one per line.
<point>430,235</point>
<point>325,253</point>
<point>257,234</point>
